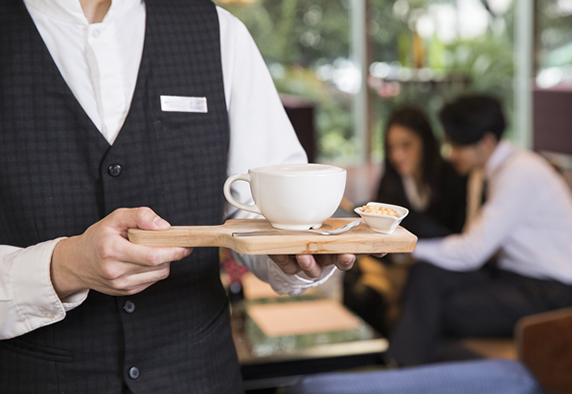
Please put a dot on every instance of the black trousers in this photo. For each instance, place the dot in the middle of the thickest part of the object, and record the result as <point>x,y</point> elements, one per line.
<point>439,303</point>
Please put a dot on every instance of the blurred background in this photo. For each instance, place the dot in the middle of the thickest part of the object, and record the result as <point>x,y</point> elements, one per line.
<point>342,66</point>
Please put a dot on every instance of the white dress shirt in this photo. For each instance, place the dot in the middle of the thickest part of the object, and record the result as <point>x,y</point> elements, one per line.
<point>100,63</point>
<point>527,217</point>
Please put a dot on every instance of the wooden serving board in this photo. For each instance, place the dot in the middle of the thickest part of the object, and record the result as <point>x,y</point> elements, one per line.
<point>360,239</point>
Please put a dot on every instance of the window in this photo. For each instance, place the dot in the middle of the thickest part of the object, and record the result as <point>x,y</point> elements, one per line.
<point>305,44</point>
<point>421,52</point>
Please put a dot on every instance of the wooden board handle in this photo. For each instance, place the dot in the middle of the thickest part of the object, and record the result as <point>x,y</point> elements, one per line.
<point>186,236</point>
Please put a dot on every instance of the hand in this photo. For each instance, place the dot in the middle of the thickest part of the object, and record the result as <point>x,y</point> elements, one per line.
<point>312,265</point>
<point>103,259</point>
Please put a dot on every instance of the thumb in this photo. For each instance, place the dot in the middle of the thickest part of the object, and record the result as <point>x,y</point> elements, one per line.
<point>143,218</point>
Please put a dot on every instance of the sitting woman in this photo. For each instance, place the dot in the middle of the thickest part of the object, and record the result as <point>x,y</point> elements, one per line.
<point>417,178</point>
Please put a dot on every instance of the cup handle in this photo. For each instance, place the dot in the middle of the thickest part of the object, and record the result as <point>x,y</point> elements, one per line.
<point>231,179</point>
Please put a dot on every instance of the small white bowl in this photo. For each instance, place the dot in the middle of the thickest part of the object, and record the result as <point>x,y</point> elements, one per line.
<point>383,223</point>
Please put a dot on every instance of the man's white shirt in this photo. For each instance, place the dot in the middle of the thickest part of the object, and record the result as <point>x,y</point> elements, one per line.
<point>527,219</point>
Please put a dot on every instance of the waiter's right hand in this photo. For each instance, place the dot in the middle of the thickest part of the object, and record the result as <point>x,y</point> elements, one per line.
<point>103,259</point>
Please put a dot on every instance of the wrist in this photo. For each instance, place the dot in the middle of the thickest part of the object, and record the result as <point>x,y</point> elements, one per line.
<point>63,277</point>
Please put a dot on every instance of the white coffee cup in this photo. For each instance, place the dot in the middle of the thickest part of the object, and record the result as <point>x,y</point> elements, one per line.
<point>292,196</point>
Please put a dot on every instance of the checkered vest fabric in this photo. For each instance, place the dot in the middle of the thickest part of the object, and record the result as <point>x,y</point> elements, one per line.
<point>58,175</point>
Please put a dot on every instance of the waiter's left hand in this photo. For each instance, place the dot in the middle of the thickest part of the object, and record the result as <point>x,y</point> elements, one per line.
<point>312,265</point>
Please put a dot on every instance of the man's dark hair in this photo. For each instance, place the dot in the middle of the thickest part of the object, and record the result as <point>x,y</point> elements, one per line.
<point>467,119</point>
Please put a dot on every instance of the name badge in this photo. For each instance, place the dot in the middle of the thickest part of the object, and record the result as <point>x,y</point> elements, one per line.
<point>183,104</point>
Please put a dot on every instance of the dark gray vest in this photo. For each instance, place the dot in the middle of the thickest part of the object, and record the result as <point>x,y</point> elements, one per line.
<point>58,175</point>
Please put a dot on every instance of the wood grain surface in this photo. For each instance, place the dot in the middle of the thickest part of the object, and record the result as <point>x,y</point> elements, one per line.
<point>360,239</point>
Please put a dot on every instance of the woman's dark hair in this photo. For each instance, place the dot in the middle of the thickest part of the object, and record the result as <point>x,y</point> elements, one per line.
<point>467,119</point>
<point>416,121</point>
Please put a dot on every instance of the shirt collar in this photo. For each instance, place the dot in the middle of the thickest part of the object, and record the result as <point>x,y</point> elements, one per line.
<point>70,11</point>
<point>502,152</point>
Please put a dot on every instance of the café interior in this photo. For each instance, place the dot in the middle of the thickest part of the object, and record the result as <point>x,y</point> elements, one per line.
<point>341,68</point>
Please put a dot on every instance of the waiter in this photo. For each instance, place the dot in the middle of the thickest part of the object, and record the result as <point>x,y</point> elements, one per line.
<point>116,115</point>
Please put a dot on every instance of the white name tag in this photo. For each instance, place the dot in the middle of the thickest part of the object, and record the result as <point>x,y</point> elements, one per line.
<point>183,104</point>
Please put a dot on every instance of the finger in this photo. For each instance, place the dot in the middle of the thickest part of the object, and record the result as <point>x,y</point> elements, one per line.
<point>149,256</point>
<point>286,263</point>
<point>135,283</point>
<point>136,269</point>
<point>345,262</point>
<point>308,264</point>
<point>127,252</point>
<point>379,255</point>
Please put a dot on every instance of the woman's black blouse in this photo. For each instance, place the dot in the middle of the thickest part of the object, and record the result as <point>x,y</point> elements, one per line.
<point>446,212</point>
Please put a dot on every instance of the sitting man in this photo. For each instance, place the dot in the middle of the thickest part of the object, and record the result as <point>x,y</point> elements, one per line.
<point>525,224</point>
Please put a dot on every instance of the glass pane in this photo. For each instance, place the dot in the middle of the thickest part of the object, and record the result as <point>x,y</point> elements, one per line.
<point>553,91</point>
<point>554,43</point>
<point>423,52</point>
<point>428,52</point>
<point>305,44</point>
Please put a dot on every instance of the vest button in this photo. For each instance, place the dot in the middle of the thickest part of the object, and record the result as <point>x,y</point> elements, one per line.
<point>114,170</point>
<point>129,307</point>
<point>133,373</point>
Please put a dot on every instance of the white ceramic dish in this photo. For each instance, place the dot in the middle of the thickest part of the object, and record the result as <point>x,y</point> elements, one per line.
<point>383,223</point>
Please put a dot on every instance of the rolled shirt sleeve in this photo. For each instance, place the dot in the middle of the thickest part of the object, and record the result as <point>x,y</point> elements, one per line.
<point>27,298</point>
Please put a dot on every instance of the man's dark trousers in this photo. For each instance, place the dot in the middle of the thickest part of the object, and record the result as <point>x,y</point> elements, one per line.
<point>486,303</point>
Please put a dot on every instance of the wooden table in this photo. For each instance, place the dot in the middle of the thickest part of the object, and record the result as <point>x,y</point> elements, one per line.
<point>280,366</point>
